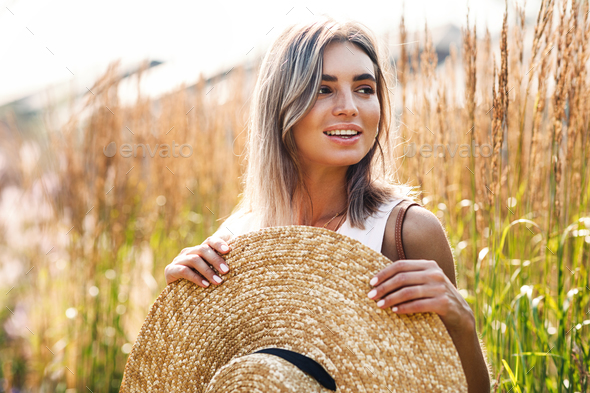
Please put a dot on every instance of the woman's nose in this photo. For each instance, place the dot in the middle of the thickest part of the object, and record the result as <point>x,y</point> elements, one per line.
<point>345,104</point>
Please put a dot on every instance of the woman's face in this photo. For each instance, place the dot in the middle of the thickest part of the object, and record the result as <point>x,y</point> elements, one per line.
<point>346,98</point>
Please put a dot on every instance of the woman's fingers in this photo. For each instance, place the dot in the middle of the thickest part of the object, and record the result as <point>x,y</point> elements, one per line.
<point>197,263</point>
<point>420,305</point>
<point>174,272</point>
<point>410,293</point>
<point>193,263</point>
<point>402,265</point>
<point>398,281</point>
<point>406,278</point>
<point>414,286</point>
<point>215,242</point>
<point>218,244</point>
<point>208,253</point>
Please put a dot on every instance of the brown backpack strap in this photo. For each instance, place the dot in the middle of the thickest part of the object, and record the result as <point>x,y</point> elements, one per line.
<point>404,205</point>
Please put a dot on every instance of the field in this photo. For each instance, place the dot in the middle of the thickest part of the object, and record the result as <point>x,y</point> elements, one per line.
<point>86,230</point>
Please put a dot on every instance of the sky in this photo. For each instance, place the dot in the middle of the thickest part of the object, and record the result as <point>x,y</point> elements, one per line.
<point>45,43</point>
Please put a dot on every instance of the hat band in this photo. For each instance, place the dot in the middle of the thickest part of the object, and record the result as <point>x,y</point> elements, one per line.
<point>305,364</point>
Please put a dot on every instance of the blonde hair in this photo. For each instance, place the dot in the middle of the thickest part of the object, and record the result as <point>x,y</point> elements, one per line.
<point>288,79</point>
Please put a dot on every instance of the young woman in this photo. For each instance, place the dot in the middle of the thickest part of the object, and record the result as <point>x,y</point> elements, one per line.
<point>319,79</point>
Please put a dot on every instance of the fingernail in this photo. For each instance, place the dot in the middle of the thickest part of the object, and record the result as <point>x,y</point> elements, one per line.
<point>394,309</point>
<point>372,294</point>
<point>373,281</point>
<point>217,278</point>
<point>224,268</point>
<point>205,283</point>
<point>380,303</point>
<point>224,248</point>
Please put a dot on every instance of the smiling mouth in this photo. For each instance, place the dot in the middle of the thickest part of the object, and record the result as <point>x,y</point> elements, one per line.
<point>343,135</point>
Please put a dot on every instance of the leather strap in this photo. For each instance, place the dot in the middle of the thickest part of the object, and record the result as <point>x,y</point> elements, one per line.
<point>404,205</point>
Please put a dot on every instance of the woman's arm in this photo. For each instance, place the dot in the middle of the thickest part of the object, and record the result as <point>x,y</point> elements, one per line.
<point>425,281</point>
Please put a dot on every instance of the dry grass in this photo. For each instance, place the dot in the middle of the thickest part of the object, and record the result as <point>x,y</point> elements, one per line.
<point>518,219</point>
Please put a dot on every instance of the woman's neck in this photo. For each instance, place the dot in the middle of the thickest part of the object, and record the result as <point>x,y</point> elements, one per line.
<point>328,200</point>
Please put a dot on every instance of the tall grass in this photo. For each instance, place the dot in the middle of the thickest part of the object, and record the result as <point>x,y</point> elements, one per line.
<point>99,230</point>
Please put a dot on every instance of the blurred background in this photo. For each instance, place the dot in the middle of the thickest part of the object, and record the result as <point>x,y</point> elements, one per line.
<point>122,129</point>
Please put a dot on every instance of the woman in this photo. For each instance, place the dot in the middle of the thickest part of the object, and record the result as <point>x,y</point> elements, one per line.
<point>318,78</point>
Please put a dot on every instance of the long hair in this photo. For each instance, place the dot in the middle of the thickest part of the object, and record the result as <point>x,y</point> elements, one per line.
<point>288,79</point>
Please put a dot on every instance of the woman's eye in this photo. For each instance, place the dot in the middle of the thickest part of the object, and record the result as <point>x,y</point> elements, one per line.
<point>368,90</point>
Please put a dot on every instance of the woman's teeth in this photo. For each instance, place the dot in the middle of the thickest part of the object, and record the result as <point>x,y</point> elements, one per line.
<point>346,134</point>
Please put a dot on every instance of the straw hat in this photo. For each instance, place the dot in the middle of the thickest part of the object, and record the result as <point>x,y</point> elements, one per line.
<point>301,290</point>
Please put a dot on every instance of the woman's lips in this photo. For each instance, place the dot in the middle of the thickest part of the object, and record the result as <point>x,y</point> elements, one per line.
<point>345,141</point>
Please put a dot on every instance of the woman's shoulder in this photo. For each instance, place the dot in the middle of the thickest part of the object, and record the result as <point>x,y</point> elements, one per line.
<point>422,237</point>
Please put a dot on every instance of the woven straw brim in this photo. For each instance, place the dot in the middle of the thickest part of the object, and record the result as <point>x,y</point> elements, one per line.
<point>300,288</point>
<point>264,373</point>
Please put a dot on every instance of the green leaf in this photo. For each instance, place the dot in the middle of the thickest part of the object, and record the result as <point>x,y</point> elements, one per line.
<point>512,377</point>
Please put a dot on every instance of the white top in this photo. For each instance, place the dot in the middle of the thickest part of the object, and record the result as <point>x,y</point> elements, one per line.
<point>371,236</point>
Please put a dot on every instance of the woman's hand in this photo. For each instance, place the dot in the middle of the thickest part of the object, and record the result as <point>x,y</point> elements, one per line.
<point>199,258</point>
<point>419,285</point>
<point>424,281</point>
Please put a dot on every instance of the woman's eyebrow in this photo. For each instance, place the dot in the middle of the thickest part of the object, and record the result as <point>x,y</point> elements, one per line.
<point>360,77</point>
